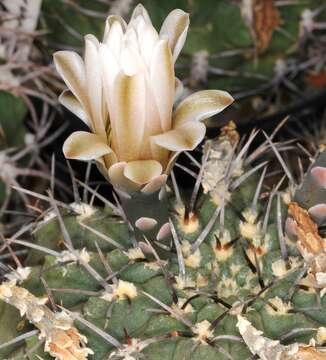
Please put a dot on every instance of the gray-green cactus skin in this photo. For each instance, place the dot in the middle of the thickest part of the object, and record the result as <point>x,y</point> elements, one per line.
<point>184,306</point>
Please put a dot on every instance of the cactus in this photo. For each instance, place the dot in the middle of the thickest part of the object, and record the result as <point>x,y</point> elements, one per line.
<point>233,270</point>
<point>234,283</point>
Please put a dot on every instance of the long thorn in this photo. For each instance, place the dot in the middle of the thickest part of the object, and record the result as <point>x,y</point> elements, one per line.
<point>169,310</point>
<point>70,247</point>
<point>110,339</point>
<point>41,197</point>
<point>281,238</point>
<point>100,197</point>
<point>269,205</point>
<point>176,189</point>
<point>258,190</point>
<point>199,177</point>
<point>246,175</point>
<point>87,175</point>
<point>280,159</point>
<point>19,338</point>
<point>102,236</point>
<point>182,269</point>
<point>206,230</point>
<point>74,185</point>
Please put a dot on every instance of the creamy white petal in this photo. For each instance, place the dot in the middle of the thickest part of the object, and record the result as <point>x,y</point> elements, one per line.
<point>110,69</point>
<point>152,124</point>
<point>69,101</point>
<point>71,68</point>
<point>139,11</point>
<point>163,83</point>
<point>102,110</point>
<point>108,24</point>
<point>130,37</point>
<point>130,61</point>
<point>128,115</point>
<point>201,105</point>
<point>119,180</point>
<point>175,28</point>
<point>185,137</point>
<point>114,38</point>
<point>139,25</point>
<point>110,159</point>
<point>92,39</point>
<point>159,154</point>
<point>142,171</point>
<point>172,161</point>
<point>148,38</point>
<point>82,145</point>
<point>94,83</point>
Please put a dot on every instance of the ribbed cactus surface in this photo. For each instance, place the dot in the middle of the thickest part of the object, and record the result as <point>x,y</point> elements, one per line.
<point>231,270</point>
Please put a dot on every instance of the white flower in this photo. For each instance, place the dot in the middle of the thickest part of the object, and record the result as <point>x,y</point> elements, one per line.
<point>124,90</point>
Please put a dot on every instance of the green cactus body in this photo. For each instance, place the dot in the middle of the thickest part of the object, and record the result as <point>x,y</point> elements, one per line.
<point>170,308</point>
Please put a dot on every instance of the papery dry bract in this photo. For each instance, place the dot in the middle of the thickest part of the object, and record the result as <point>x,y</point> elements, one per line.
<point>268,349</point>
<point>310,242</point>
<point>62,340</point>
<point>124,90</point>
<point>311,246</point>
